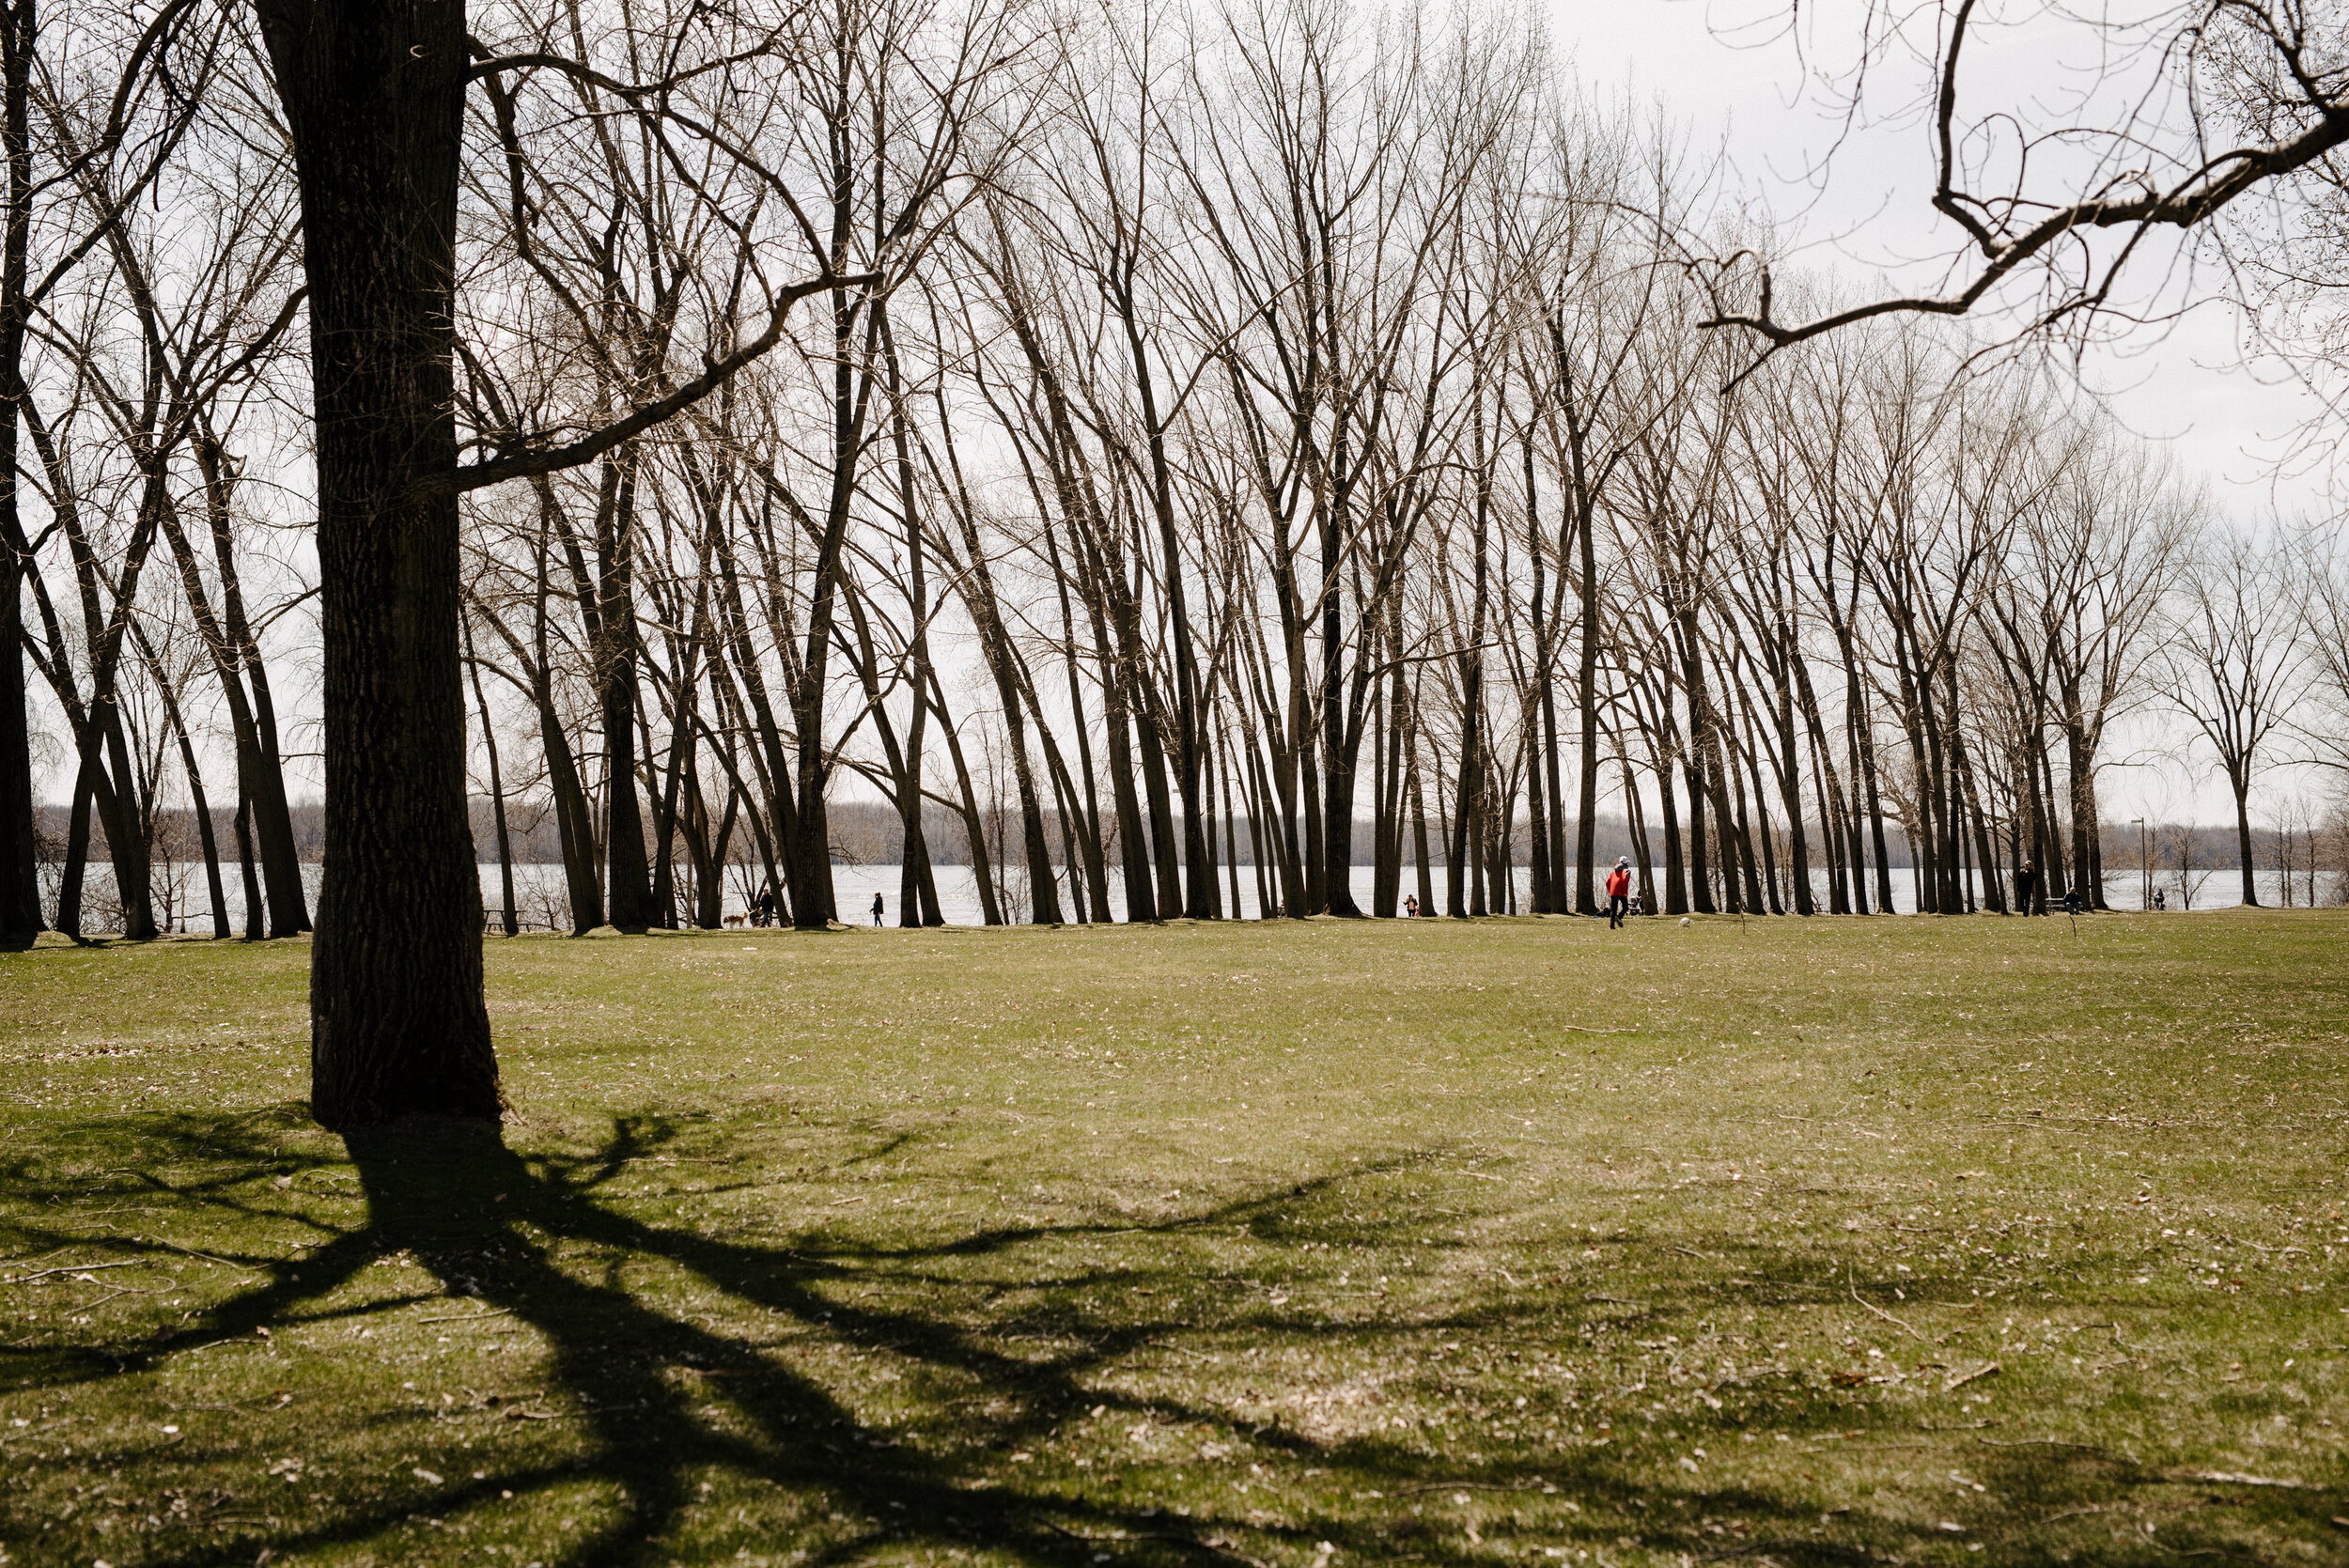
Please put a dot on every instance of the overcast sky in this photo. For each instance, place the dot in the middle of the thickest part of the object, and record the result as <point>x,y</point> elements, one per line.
<point>1728,71</point>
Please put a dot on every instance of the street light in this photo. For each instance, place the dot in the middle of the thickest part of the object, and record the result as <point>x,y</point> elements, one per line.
<point>2145,899</point>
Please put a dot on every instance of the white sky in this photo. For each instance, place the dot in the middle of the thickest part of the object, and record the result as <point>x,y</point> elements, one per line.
<point>1869,215</point>
<point>1726,70</point>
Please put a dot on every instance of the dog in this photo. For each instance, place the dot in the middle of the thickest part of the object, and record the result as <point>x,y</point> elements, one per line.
<point>735,919</point>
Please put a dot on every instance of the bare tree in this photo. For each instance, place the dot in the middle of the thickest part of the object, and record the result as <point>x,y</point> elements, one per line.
<point>2236,665</point>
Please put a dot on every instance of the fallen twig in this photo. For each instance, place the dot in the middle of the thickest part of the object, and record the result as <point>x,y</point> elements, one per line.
<point>467,1317</point>
<point>126,1290</point>
<point>2233,1477</point>
<point>1850,1284</point>
<point>72,1269</point>
<point>163,1241</point>
<point>1955,1383</point>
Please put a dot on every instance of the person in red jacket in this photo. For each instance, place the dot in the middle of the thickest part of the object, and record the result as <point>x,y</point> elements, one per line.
<point>1618,893</point>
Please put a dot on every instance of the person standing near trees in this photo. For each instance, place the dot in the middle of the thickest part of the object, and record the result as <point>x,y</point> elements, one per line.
<point>876,909</point>
<point>2026,879</point>
<point>1618,893</point>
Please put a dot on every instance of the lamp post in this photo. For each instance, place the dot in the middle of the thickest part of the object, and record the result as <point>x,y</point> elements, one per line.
<point>2145,899</point>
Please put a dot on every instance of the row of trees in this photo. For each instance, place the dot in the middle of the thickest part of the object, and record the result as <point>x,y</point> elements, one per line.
<point>1234,428</point>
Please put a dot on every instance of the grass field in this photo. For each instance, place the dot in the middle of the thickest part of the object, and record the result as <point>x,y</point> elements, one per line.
<point>1961,1241</point>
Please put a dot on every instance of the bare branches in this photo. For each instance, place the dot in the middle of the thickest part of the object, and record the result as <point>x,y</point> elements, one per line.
<point>588,448</point>
<point>2021,231</point>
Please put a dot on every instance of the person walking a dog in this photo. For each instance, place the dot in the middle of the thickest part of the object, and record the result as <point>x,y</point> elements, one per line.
<point>1618,893</point>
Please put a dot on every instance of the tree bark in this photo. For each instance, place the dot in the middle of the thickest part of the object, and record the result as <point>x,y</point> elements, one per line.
<point>374,98</point>
<point>20,892</point>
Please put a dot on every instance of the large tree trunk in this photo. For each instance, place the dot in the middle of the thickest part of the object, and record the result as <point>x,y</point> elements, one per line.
<point>373,99</point>
<point>20,876</point>
<point>20,891</point>
<point>20,872</point>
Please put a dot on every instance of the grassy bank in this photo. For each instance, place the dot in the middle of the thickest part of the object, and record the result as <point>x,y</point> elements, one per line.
<point>1829,1242</point>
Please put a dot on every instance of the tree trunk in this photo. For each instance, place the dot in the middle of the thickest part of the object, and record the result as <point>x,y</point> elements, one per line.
<point>2239,780</point>
<point>1586,804</point>
<point>20,872</point>
<point>1096,861</point>
<point>263,775</point>
<point>254,929</point>
<point>20,848</point>
<point>1418,841</point>
<point>573,824</point>
<point>222,931</point>
<point>973,828</point>
<point>628,890</point>
<point>1675,866</point>
<point>508,918</point>
<point>374,99</point>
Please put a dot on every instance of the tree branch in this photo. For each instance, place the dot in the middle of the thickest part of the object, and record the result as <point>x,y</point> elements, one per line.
<point>589,447</point>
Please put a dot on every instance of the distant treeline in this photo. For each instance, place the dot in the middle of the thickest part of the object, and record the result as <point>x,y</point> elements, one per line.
<point>865,833</point>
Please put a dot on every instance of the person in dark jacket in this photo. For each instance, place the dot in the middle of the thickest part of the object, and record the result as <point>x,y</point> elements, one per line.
<point>1618,893</point>
<point>876,909</point>
<point>2026,883</point>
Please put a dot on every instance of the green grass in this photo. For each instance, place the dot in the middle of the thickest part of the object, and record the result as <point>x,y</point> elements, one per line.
<point>1964,1241</point>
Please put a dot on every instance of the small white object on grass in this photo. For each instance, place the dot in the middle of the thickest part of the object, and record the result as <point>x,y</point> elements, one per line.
<point>1686,922</point>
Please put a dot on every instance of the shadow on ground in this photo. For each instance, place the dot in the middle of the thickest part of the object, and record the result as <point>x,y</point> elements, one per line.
<point>635,1373</point>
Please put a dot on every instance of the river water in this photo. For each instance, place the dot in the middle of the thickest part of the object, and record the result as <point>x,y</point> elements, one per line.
<point>182,903</point>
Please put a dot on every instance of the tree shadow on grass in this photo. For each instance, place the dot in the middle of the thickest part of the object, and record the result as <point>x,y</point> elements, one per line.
<point>486,1221</point>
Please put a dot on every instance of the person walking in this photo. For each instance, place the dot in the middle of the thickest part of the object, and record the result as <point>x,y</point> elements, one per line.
<point>2026,880</point>
<point>766,915</point>
<point>876,909</point>
<point>1618,893</point>
<point>1411,907</point>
